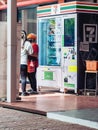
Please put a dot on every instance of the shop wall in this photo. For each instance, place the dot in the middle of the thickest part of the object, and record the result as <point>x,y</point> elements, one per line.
<point>87,44</point>
<point>3,58</point>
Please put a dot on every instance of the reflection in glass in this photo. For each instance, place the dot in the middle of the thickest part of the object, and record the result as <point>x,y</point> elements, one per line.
<point>69,27</point>
<point>49,46</point>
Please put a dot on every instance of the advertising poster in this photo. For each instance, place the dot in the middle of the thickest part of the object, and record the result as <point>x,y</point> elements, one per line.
<point>69,27</point>
<point>69,54</point>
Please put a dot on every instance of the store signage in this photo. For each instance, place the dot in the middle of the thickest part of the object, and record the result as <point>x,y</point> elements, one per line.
<point>84,46</point>
<point>90,33</point>
<point>55,9</point>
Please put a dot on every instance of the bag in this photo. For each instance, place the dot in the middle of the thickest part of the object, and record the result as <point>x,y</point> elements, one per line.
<point>31,67</point>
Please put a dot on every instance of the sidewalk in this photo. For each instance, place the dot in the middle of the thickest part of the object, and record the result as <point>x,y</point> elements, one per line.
<point>84,117</point>
<point>70,108</point>
<point>19,120</point>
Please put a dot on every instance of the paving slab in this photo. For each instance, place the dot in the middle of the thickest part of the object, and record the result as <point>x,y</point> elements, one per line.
<point>85,117</point>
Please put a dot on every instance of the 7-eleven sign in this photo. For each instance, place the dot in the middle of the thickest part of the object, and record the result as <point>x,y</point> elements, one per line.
<point>90,33</point>
<point>55,9</point>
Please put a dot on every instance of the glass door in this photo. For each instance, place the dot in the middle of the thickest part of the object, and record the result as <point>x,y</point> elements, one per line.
<point>49,40</point>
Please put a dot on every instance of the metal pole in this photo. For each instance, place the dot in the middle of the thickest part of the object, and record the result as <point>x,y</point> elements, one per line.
<point>11,50</point>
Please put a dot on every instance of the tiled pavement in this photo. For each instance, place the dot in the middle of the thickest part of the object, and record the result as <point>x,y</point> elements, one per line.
<point>63,107</point>
<point>18,120</point>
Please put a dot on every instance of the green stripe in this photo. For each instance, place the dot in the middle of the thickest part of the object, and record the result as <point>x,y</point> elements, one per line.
<point>68,7</point>
<point>87,7</point>
<point>44,11</point>
<point>79,7</point>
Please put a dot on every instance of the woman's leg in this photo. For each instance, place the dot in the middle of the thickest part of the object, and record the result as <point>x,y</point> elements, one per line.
<point>32,79</point>
<point>23,73</point>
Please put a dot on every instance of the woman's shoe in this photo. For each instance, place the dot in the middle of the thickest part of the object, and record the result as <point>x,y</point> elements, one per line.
<point>25,94</point>
<point>33,92</point>
<point>30,90</point>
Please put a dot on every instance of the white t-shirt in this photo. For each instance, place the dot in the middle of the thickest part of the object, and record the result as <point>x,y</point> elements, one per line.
<point>26,50</point>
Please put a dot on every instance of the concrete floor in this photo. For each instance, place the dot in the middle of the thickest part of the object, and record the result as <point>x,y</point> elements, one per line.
<point>84,117</point>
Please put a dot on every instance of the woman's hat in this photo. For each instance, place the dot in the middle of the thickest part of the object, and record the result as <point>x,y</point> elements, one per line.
<point>31,36</point>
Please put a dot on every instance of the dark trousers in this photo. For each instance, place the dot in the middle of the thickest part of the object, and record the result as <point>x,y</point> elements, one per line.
<point>32,79</point>
<point>23,74</point>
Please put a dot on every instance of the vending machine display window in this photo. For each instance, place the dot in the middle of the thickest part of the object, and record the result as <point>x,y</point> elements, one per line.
<point>69,34</point>
<point>49,42</point>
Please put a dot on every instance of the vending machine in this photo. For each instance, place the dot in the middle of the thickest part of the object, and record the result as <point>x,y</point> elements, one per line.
<point>67,36</point>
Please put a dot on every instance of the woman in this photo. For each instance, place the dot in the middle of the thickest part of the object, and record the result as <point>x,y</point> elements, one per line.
<point>33,64</point>
<point>26,49</point>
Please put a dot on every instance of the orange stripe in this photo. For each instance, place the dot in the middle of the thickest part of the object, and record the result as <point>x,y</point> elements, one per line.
<point>39,15</point>
<point>78,2</point>
<point>87,3</point>
<point>44,7</point>
<point>68,11</point>
<point>68,3</point>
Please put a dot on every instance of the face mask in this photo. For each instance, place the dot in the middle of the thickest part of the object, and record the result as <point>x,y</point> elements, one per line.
<point>22,36</point>
<point>30,40</point>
